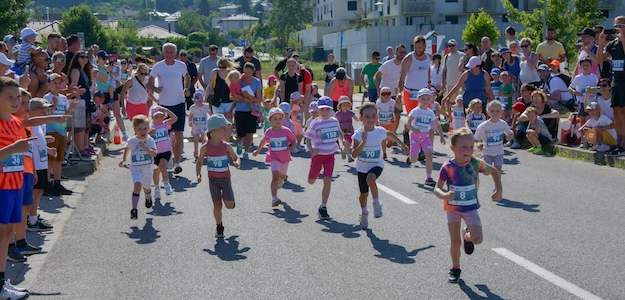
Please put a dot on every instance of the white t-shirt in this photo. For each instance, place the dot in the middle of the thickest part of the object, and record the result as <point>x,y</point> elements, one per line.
<point>557,84</point>
<point>602,121</point>
<point>436,75</point>
<point>606,106</point>
<point>386,111</point>
<point>170,78</point>
<point>371,154</point>
<point>422,118</point>
<point>40,148</point>
<point>200,114</point>
<point>138,156</point>
<point>390,75</point>
<point>581,82</point>
<point>492,135</point>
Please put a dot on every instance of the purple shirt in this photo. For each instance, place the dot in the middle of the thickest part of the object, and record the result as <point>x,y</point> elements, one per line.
<point>345,119</point>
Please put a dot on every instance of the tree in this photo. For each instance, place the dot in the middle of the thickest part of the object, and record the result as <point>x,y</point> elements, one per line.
<point>80,19</point>
<point>14,15</point>
<point>204,7</point>
<point>565,20</point>
<point>479,26</point>
<point>244,7</point>
<point>286,17</point>
<point>191,21</point>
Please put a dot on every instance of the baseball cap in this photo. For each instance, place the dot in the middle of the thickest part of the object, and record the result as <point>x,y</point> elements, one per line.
<point>385,89</point>
<point>5,60</point>
<point>296,95</point>
<point>295,53</point>
<point>324,102</point>
<point>504,73</point>
<point>543,67</point>
<point>36,103</point>
<point>273,111</point>
<point>452,41</point>
<point>592,105</point>
<point>503,50</point>
<point>588,31</point>
<point>183,51</point>
<point>271,78</point>
<point>315,85</point>
<point>216,121</point>
<point>198,96</point>
<point>495,71</point>
<point>312,106</point>
<point>54,76</point>
<point>157,112</point>
<point>426,91</point>
<point>285,107</point>
<point>554,62</point>
<point>518,107</point>
<point>9,37</point>
<point>474,61</point>
<point>27,33</point>
<point>103,54</point>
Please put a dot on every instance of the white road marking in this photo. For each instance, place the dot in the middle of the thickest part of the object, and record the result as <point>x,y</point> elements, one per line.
<point>395,194</point>
<point>553,278</point>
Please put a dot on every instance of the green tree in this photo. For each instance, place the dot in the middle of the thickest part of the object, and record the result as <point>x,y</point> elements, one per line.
<point>181,43</point>
<point>244,6</point>
<point>191,21</point>
<point>204,7</point>
<point>479,26</point>
<point>215,38</point>
<point>287,17</point>
<point>199,37</point>
<point>80,19</point>
<point>14,15</point>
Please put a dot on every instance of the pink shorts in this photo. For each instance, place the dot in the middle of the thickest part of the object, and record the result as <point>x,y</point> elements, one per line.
<point>298,128</point>
<point>420,141</point>
<point>317,161</point>
<point>136,109</point>
<point>278,166</point>
<point>348,138</point>
<point>470,217</point>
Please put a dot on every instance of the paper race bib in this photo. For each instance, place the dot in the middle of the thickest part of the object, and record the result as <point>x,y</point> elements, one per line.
<point>298,119</point>
<point>141,158</point>
<point>370,154</point>
<point>60,109</point>
<point>160,135</point>
<point>423,122</point>
<point>386,117</point>
<point>218,163</point>
<point>329,135</point>
<point>13,163</point>
<point>414,95</point>
<point>618,64</point>
<point>199,119</point>
<point>458,114</point>
<point>475,124</point>
<point>278,144</point>
<point>465,195</point>
<point>43,153</point>
<point>494,138</point>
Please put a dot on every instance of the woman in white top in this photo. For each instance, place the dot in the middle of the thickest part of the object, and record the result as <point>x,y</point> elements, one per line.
<point>604,98</point>
<point>436,75</point>
<point>135,93</point>
<point>529,62</point>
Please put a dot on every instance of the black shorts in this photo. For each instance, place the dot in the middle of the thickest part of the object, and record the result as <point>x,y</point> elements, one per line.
<point>245,123</point>
<point>180,111</point>
<point>42,179</point>
<point>618,95</point>
<point>362,179</point>
<point>165,155</point>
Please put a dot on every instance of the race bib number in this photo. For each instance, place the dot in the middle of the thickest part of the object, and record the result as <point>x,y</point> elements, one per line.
<point>160,135</point>
<point>141,158</point>
<point>475,124</point>
<point>465,195</point>
<point>278,144</point>
<point>298,119</point>
<point>414,95</point>
<point>386,117</point>
<point>618,64</point>
<point>494,138</point>
<point>370,154</point>
<point>458,114</point>
<point>43,153</point>
<point>60,109</point>
<point>199,120</point>
<point>423,122</point>
<point>504,102</point>
<point>13,163</point>
<point>218,163</point>
<point>329,135</point>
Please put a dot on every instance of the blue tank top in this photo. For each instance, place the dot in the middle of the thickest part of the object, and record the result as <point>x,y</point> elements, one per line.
<point>474,87</point>
<point>83,82</point>
<point>514,69</point>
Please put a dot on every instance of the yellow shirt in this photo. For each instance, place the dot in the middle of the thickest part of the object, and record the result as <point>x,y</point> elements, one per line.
<point>546,51</point>
<point>269,92</point>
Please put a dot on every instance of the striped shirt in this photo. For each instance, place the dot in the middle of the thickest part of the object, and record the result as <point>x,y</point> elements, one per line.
<point>11,177</point>
<point>324,134</point>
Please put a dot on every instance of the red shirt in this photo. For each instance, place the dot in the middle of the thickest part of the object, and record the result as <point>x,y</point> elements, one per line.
<point>307,80</point>
<point>9,133</point>
<point>218,160</point>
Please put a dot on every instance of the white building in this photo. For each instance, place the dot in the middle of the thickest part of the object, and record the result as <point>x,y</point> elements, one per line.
<point>236,22</point>
<point>402,20</point>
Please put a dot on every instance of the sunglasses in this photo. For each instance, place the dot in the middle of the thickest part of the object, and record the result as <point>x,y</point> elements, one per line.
<point>385,94</point>
<point>296,56</point>
<point>141,73</point>
<point>222,67</point>
<point>83,56</point>
<point>524,46</point>
<point>401,52</point>
<point>619,25</point>
<point>182,54</point>
<point>60,59</point>
<point>123,63</point>
<point>452,45</point>
<point>604,85</point>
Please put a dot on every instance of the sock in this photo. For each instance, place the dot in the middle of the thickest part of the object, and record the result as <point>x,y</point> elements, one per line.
<point>33,219</point>
<point>21,243</point>
<point>135,200</point>
<point>365,211</point>
<point>165,182</point>
<point>322,206</point>
<point>455,267</point>
<point>274,198</point>
<point>220,224</point>
<point>429,175</point>
<point>376,200</point>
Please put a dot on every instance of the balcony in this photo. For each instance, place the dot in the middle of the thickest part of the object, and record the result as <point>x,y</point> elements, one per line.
<point>418,7</point>
<point>473,6</point>
<point>609,4</point>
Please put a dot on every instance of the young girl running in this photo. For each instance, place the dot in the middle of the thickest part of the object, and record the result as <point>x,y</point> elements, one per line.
<point>217,150</point>
<point>419,122</point>
<point>321,139</point>
<point>368,141</point>
<point>267,105</point>
<point>460,173</point>
<point>142,149</point>
<point>159,132</point>
<point>457,113</point>
<point>346,116</point>
<point>492,133</point>
<point>281,141</point>
<point>386,108</point>
<point>297,116</point>
<point>475,117</point>
<point>198,114</point>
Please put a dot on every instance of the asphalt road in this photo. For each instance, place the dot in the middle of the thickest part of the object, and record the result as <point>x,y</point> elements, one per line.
<point>556,235</point>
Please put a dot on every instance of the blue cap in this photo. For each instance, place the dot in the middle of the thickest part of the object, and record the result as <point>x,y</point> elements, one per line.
<point>285,107</point>
<point>216,121</point>
<point>103,54</point>
<point>324,102</point>
<point>503,50</point>
<point>495,71</point>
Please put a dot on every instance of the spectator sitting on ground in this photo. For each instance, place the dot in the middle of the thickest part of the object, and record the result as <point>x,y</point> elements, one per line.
<point>604,98</point>
<point>599,129</point>
<point>549,116</point>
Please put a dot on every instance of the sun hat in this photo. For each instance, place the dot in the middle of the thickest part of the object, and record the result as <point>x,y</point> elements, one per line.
<point>198,96</point>
<point>386,89</point>
<point>312,107</point>
<point>344,99</point>
<point>424,91</point>
<point>273,111</point>
<point>271,78</point>
<point>27,33</point>
<point>503,50</point>
<point>296,96</point>
<point>216,121</point>
<point>285,107</point>
<point>324,102</point>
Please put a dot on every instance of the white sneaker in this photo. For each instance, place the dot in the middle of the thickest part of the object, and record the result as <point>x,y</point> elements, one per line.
<point>157,193</point>
<point>377,210</point>
<point>275,202</point>
<point>7,293</point>
<point>168,190</point>
<point>8,285</point>
<point>125,137</point>
<point>364,221</point>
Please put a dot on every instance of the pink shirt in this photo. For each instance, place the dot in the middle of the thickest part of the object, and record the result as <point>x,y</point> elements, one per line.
<point>161,137</point>
<point>324,134</point>
<point>279,141</point>
<point>235,88</point>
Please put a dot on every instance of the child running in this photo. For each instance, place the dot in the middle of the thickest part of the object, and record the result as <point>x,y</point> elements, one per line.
<point>217,150</point>
<point>460,173</point>
<point>321,139</point>
<point>142,149</point>
<point>297,116</point>
<point>160,133</point>
<point>419,121</point>
<point>198,114</point>
<point>346,116</point>
<point>457,113</point>
<point>280,140</point>
<point>368,141</point>
<point>492,133</point>
<point>386,108</point>
<point>267,105</point>
<point>475,117</point>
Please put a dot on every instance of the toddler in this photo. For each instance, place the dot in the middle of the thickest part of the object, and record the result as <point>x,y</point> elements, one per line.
<point>233,79</point>
<point>537,132</point>
<point>599,130</point>
<point>297,117</point>
<point>198,114</point>
<point>457,113</point>
<point>492,133</point>
<point>346,116</point>
<point>159,132</point>
<point>475,117</point>
<point>27,49</point>
<point>267,105</point>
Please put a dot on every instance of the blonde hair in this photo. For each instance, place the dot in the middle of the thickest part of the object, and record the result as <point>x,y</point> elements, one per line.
<point>231,74</point>
<point>526,40</point>
<point>139,119</point>
<point>619,18</point>
<point>493,103</point>
<point>460,133</point>
<point>227,62</point>
<point>542,95</point>
<point>473,103</point>
<point>531,109</point>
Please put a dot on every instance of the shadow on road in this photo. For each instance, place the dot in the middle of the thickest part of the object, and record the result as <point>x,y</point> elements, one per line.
<point>516,204</point>
<point>147,235</point>
<point>296,188</point>
<point>511,161</point>
<point>289,215</point>
<point>161,210</point>
<point>349,231</point>
<point>180,184</point>
<point>482,287</point>
<point>394,253</point>
<point>228,249</point>
<point>53,205</point>
<point>248,164</point>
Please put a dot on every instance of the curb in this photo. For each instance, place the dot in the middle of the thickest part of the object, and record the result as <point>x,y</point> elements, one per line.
<point>77,167</point>
<point>597,158</point>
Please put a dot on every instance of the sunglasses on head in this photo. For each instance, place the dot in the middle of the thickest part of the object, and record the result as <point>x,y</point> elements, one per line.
<point>296,56</point>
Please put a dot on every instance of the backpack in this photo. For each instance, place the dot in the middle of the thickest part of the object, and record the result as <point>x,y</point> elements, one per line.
<point>565,78</point>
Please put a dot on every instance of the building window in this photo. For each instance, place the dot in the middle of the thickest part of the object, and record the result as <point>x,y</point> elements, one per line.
<point>605,14</point>
<point>515,3</point>
<point>504,18</point>
<point>451,1</point>
<point>451,19</point>
<point>408,21</point>
<point>352,5</point>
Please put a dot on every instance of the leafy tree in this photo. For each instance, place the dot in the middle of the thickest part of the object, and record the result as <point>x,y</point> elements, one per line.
<point>199,37</point>
<point>215,38</point>
<point>14,15</point>
<point>244,6</point>
<point>286,17</point>
<point>479,26</point>
<point>181,43</point>
<point>190,21</point>
<point>145,14</point>
<point>80,19</point>
<point>258,10</point>
<point>204,7</point>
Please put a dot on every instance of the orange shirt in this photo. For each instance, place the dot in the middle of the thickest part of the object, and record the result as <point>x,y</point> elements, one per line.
<point>11,177</point>
<point>29,165</point>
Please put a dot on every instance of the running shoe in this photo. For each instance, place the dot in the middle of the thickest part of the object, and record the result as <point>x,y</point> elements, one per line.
<point>618,151</point>
<point>239,149</point>
<point>62,190</point>
<point>515,145</point>
<point>343,154</point>
<point>385,157</point>
<point>220,232</point>
<point>168,190</point>
<point>157,193</point>
<point>364,221</point>
<point>28,249</point>
<point>508,144</point>
<point>454,275</point>
<point>408,162</point>
<point>39,226</point>
<point>275,202</point>
<point>134,213</point>
<point>50,191</point>
<point>468,245</point>
<point>7,293</point>
<point>177,169</point>
<point>377,210</point>
<point>148,203</point>
<point>323,213</point>
<point>531,149</point>
<point>430,182</point>
<point>15,256</point>
<point>538,150</point>
<point>246,155</point>
<point>8,285</point>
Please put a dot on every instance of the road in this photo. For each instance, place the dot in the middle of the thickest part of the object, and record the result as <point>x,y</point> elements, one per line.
<point>556,235</point>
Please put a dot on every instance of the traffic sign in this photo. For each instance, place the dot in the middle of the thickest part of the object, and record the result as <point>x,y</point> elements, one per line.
<point>231,46</point>
<point>231,53</point>
<point>243,43</point>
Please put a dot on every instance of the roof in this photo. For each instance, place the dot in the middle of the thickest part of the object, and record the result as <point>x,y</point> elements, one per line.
<point>158,32</point>
<point>239,18</point>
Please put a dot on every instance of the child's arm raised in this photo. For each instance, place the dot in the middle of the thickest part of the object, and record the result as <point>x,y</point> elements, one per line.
<point>236,161</point>
<point>497,194</point>
<point>199,163</point>
<point>172,117</point>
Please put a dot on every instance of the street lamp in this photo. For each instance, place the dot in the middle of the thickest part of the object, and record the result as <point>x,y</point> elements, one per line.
<point>380,6</point>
